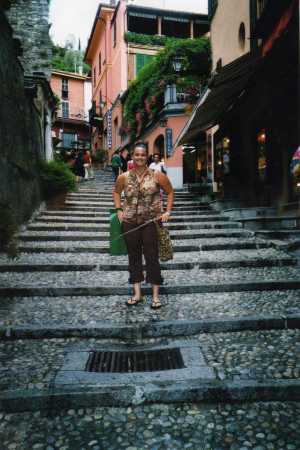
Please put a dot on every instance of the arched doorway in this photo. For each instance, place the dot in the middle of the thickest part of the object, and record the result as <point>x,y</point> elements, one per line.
<point>159,146</point>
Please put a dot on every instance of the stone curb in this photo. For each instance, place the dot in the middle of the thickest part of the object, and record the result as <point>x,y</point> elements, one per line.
<point>74,291</point>
<point>67,267</point>
<point>179,248</point>
<point>105,228</point>
<point>105,329</point>
<point>78,220</point>
<point>214,233</point>
<point>184,392</point>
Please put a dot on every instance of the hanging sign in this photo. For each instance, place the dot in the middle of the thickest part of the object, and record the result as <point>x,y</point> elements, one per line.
<point>169,142</point>
<point>109,128</point>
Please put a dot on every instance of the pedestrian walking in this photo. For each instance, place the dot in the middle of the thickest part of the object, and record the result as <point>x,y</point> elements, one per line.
<point>141,208</point>
<point>79,166</point>
<point>89,173</point>
<point>116,164</point>
<point>157,165</point>
<point>124,159</point>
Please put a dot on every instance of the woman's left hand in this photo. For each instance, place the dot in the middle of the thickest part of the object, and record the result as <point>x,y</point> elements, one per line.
<point>165,217</point>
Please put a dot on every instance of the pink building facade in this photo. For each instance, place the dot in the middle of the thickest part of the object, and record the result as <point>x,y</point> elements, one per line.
<point>116,56</point>
<point>71,128</point>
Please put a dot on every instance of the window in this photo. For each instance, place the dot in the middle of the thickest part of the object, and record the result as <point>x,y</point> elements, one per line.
<point>260,7</point>
<point>242,36</point>
<point>100,63</point>
<point>115,33</point>
<point>65,110</point>
<point>64,88</point>
<point>140,61</point>
<point>68,140</point>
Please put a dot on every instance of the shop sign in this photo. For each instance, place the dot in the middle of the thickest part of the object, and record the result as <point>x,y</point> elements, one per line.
<point>169,142</point>
<point>109,128</point>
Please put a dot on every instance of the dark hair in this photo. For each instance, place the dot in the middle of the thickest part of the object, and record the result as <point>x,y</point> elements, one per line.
<point>142,145</point>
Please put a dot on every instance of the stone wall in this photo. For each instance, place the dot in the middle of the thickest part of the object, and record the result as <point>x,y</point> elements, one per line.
<point>30,22</point>
<point>21,137</point>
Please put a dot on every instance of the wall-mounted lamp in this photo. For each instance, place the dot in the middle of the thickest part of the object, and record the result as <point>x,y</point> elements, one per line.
<point>177,63</point>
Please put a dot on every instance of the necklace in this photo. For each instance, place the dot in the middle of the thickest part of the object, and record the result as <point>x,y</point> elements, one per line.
<point>140,177</point>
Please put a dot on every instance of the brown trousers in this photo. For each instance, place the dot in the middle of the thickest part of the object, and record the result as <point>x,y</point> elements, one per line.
<point>139,242</point>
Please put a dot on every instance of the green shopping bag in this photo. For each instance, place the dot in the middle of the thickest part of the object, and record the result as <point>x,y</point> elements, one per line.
<point>117,244</point>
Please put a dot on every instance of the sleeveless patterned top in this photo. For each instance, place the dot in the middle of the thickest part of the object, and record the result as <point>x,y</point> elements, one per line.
<point>142,199</point>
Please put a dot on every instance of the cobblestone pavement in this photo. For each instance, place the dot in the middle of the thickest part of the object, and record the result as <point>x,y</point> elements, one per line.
<point>257,426</point>
<point>90,310</point>
<point>259,355</point>
<point>209,250</point>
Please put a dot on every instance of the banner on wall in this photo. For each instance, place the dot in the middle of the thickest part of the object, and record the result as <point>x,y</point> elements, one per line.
<point>169,142</point>
<point>109,129</point>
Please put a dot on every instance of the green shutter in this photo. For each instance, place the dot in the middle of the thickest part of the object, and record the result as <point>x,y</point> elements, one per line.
<point>141,60</point>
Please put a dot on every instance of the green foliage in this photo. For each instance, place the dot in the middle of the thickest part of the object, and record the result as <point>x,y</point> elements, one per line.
<point>56,178</point>
<point>146,39</point>
<point>8,230</point>
<point>57,101</point>
<point>145,94</point>
<point>68,59</point>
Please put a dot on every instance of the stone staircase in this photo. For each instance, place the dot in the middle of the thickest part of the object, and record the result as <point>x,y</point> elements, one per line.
<point>230,294</point>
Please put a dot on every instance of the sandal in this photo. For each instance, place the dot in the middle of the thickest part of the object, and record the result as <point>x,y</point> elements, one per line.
<point>156,304</point>
<point>132,302</point>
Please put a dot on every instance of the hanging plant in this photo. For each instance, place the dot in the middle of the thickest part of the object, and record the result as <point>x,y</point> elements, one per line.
<point>145,97</point>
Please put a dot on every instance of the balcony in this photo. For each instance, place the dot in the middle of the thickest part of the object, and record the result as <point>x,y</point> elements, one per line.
<point>96,117</point>
<point>153,26</point>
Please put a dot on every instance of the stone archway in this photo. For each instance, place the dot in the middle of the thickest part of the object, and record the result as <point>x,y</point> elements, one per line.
<point>159,146</point>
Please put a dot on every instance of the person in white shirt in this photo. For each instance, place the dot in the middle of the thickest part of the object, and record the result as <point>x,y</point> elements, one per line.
<point>157,165</point>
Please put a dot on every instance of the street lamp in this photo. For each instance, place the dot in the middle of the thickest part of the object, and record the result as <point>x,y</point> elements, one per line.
<point>177,63</point>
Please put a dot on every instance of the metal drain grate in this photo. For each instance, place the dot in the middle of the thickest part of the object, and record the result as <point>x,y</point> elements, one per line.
<point>135,361</point>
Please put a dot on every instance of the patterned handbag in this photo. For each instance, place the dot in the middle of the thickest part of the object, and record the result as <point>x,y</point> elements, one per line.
<point>164,243</point>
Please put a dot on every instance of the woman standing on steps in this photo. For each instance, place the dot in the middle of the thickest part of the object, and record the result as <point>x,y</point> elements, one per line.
<point>141,187</point>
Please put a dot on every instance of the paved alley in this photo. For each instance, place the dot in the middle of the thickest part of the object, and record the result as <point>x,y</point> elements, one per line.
<point>226,292</point>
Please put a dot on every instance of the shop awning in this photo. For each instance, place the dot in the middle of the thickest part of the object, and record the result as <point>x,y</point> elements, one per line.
<point>224,91</point>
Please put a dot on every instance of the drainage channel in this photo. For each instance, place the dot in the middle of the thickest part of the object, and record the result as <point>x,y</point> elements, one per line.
<point>135,361</point>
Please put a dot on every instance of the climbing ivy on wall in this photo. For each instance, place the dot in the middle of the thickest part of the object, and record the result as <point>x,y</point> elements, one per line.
<point>144,98</point>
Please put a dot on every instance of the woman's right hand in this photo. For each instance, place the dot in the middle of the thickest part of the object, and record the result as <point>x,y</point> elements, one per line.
<point>120,216</point>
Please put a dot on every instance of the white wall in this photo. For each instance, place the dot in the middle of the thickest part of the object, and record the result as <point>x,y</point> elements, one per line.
<point>87,98</point>
<point>176,176</point>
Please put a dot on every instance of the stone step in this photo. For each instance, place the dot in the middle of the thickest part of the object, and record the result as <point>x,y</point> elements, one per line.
<point>32,236</point>
<point>108,196</point>
<point>110,204</point>
<point>178,246</point>
<point>178,209</point>
<point>102,227</point>
<point>256,262</point>
<point>242,368</point>
<point>124,395</point>
<point>182,257</point>
<point>70,213</point>
<point>176,282</point>
<point>80,220</point>
<point>180,315</point>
